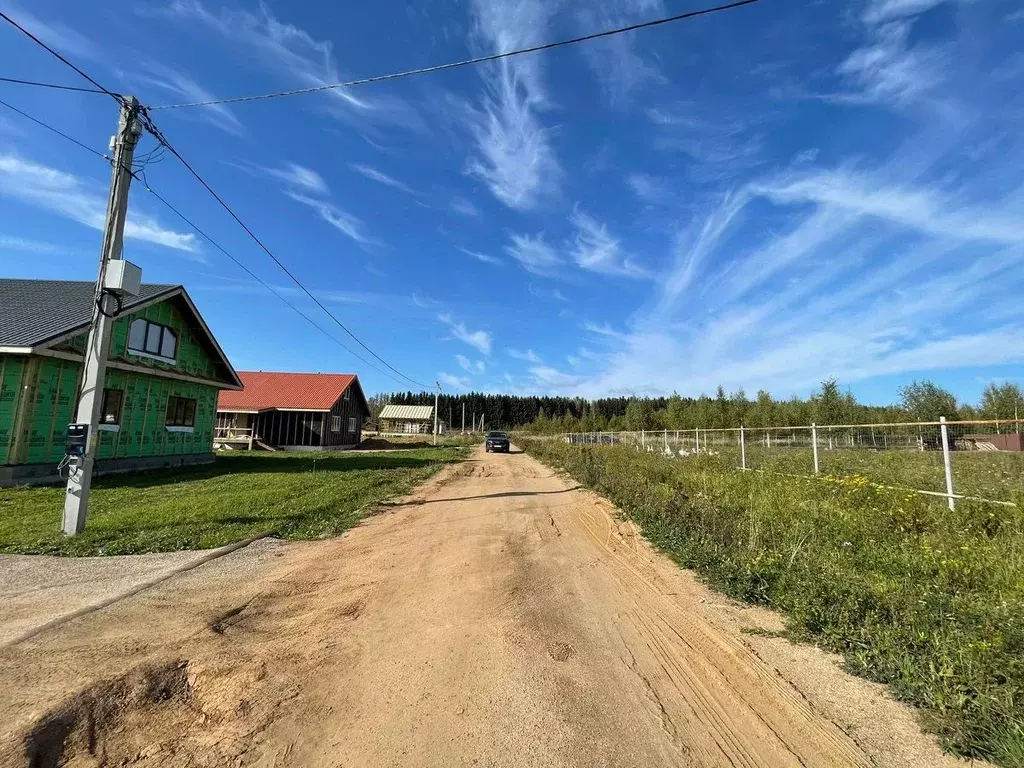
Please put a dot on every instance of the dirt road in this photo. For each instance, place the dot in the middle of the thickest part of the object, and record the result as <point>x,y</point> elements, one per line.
<point>498,617</point>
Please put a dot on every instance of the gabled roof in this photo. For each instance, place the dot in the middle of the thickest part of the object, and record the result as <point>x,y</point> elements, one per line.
<point>268,390</point>
<point>415,412</point>
<point>36,313</point>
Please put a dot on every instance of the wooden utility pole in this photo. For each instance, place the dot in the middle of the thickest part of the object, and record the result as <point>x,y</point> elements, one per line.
<point>90,401</point>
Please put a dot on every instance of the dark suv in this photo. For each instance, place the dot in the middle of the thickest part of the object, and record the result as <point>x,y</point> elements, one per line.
<point>496,441</point>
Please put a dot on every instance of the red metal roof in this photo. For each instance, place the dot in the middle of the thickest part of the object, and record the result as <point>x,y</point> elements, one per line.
<point>297,391</point>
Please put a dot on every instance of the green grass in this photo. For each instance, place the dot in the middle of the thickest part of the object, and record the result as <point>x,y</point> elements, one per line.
<point>298,496</point>
<point>927,600</point>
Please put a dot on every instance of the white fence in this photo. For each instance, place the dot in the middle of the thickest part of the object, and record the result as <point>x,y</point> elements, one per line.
<point>975,460</point>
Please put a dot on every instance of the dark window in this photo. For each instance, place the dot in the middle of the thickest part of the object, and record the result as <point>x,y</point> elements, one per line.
<point>181,412</point>
<point>352,425</point>
<point>113,399</point>
<point>152,339</point>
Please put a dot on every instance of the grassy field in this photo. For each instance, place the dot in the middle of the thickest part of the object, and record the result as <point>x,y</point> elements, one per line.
<point>299,496</point>
<point>924,599</point>
<point>990,475</point>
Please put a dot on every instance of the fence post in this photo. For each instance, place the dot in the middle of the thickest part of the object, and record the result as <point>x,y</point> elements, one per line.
<point>696,432</point>
<point>743,449</point>
<point>643,439</point>
<point>945,462</point>
<point>666,441</point>
<point>814,445</point>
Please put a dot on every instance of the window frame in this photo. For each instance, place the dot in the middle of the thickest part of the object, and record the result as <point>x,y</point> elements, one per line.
<point>107,392</point>
<point>159,340</point>
<point>335,423</point>
<point>353,425</point>
<point>180,412</point>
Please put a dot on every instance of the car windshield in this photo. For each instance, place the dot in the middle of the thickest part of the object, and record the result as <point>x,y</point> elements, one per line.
<point>496,434</point>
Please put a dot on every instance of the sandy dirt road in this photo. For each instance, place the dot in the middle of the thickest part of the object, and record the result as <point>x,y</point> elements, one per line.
<point>498,617</point>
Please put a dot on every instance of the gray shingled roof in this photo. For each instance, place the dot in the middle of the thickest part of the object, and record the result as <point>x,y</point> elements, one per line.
<point>35,311</point>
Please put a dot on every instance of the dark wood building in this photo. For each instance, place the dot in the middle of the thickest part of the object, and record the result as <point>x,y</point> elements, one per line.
<point>293,411</point>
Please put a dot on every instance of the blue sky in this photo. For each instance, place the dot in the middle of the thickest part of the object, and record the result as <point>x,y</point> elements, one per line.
<point>760,198</point>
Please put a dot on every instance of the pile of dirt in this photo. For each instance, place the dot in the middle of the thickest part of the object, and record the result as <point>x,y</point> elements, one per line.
<point>97,722</point>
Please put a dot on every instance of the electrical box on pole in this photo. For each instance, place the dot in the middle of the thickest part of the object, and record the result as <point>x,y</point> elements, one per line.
<point>115,280</point>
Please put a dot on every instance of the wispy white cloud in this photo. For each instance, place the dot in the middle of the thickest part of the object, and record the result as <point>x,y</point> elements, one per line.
<point>549,377</point>
<point>56,34</point>
<point>880,11</point>
<point>544,293</point>
<point>184,88</point>
<point>12,243</point>
<point>534,253</point>
<point>603,329</point>
<point>721,147</point>
<point>620,69</point>
<point>924,209</point>
<point>693,247</point>
<point>648,189</point>
<point>528,355</point>
<point>341,220</point>
<point>597,251</point>
<point>487,259</point>
<point>285,48</point>
<point>456,382</point>
<point>470,366</point>
<point>79,200</point>
<point>514,154</point>
<point>293,175</point>
<point>889,70</point>
<point>464,207</point>
<point>480,340</point>
<point>381,177</point>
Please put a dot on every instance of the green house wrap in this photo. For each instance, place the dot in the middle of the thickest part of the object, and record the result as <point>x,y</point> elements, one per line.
<point>160,392</point>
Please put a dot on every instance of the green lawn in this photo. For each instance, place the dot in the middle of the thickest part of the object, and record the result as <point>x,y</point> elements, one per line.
<point>928,600</point>
<point>298,496</point>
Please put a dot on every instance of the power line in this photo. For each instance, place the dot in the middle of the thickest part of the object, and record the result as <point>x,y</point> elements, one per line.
<point>255,277</point>
<point>158,135</point>
<point>145,182</point>
<point>466,62</point>
<point>57,131</point>
<point>39,42</point>
<point>55,86</point>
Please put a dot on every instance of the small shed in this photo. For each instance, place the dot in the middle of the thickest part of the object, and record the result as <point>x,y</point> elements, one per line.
<point>406,420</point>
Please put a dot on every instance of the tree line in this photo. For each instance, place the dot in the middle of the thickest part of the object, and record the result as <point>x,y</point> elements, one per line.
<point>830,404</point>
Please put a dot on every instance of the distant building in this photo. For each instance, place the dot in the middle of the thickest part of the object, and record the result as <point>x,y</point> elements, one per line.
<point>406,420</point>
<point>293,411</point>
<point>164,372</point>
